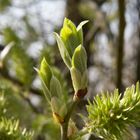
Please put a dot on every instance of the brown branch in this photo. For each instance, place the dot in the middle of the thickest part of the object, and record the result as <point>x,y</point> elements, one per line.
<point>120,51</point>
<point>33,107</point>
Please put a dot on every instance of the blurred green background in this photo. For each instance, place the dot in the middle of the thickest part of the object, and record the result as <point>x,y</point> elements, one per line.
<point>111,39</point>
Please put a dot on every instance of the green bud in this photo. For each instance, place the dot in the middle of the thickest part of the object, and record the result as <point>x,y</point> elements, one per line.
<point>72,36</point>
<point>45,75</point>
<point>45,72</point>
<point>53,90</point>
<point>65,34</point>
<point>69,36</point>
<point>70,24</point>
<point>79,59</point>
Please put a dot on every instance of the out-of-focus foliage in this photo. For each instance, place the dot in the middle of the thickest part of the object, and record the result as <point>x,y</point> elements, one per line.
<point>2,104</point>
<point>14,103</point>
<point>4,4</point>
<point>9,130</point>
<point>42,125</point>
<point>49,126</point>
<point>21,63</point>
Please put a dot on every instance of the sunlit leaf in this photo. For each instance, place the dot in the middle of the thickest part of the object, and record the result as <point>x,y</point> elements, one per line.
<point>79,59</point>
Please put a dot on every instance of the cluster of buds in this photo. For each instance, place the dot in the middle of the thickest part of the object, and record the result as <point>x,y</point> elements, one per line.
<point>70,43</point>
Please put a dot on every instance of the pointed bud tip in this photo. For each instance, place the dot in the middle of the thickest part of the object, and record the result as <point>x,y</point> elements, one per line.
<point>66,20</point>
<point>44,63</point>
<point>44,60</point>
<point>79,48</point>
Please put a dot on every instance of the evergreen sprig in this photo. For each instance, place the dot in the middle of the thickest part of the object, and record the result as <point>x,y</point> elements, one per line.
<point>9,130</point>
<point>20,61</point>
<point>111,117</point>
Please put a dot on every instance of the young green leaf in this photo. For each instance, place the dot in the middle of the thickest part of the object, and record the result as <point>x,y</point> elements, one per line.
<point>70,24</point>
<point>46,92</point>
<point>80,31</point>
<point>65,34</point>
<point>79,59</point>
<point>63,51</point>
<point>69,36</point>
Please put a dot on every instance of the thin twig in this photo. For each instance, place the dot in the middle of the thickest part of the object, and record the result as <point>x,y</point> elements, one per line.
<point>33,107</point>
<point>138,51</point>
<point>120,52</point>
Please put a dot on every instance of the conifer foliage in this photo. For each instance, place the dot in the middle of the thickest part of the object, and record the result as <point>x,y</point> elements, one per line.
<point>9,128</point>
<point>111,117</point>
